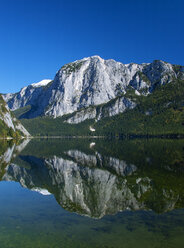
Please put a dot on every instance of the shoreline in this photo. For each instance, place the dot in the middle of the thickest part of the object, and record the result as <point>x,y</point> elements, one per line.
<point>120,136</point>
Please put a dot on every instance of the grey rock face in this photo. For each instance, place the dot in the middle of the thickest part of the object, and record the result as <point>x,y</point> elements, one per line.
<point>91,82</point>
<point>118,106</point>
<point>9,120</point>
<point>26,96</point>
<point>21,128</point>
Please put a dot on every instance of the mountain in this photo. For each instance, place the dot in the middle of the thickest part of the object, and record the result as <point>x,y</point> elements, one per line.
<point>27,96</point>
<point>9,125</point>
<point>97,89</point>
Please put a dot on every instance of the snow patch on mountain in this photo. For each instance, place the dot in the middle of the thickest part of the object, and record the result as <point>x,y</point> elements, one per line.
<point>41,83</point>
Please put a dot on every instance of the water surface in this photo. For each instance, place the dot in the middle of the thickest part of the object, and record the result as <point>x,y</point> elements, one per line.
<point>92,193</point>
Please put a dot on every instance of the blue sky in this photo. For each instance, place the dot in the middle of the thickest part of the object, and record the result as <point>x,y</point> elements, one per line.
<point>37,37</point>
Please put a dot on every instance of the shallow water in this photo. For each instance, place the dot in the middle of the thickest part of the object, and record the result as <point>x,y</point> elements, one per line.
<point>92,193</point>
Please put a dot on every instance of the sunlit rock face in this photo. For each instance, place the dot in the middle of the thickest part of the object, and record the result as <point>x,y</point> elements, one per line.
<point>27,95</point>
<point>90,82</point>
<point>8,121</point>
<point>118,106</point>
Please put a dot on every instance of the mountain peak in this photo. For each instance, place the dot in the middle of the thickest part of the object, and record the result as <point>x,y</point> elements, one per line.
<point>91,81</point>
<point>92,58</point>
<point>96,56</point>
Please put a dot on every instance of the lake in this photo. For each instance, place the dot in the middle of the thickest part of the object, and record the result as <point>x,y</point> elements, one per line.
<point>92,193</point>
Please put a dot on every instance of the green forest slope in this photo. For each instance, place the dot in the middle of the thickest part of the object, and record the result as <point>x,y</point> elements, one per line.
<point>159,113</point>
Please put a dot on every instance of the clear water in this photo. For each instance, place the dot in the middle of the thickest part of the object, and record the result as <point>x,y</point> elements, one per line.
<point>92,193</point>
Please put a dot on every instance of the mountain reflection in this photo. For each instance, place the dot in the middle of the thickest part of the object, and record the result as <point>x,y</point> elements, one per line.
<point>96,179</point>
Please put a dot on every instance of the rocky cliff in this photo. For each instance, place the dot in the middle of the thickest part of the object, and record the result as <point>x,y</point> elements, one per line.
<point>9,125</point>
<point>93,88</point>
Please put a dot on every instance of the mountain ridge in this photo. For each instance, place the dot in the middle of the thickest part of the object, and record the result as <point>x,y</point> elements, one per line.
<point>95,89</point>
<point>90,81</point>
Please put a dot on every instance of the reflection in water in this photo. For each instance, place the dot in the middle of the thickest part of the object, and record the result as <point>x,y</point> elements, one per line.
<point>8,151</point>
<point>12,150</point>
<point>96,179</point>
